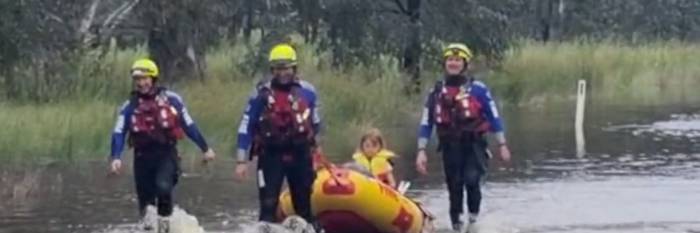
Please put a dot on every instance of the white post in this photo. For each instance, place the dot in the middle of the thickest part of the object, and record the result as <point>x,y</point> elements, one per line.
<point>580,103</point>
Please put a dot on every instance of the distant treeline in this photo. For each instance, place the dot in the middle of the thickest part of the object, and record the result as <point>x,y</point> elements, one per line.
<point>52,41</point>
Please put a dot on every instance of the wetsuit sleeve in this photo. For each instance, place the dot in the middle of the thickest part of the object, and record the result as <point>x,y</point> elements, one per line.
<point>188,124</point>
<point>427,122</point>
<point>120,130</point>
<point>316,116</point>
<point>246,125</point>
<point>491,112</point>
<point>309,91</point>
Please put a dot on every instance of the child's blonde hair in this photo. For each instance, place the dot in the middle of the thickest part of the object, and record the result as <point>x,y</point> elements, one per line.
<point>374,135</point>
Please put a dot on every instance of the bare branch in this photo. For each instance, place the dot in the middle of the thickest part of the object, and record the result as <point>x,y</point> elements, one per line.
<point>192,55</point>
<point>83,31</point>
<point>124,13</point>
<point>87,21</point>
<point>117,17</point>
<point>55,17</point>
<point>119,12</point>
<point>401,7</point>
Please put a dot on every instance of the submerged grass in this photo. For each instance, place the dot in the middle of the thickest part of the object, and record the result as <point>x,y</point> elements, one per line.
<point>351,100</point>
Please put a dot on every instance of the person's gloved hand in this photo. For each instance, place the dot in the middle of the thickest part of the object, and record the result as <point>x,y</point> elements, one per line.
<point>115,167</point>
<point>210,155</point>
<point>504,152</point>
<point>422,162</point>
<point>241,172</point>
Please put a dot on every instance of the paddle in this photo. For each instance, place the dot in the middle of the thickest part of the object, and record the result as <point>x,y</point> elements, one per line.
<point>321,158</point>
<point>403,186</point>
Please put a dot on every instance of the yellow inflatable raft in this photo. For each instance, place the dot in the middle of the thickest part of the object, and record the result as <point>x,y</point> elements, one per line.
<point>345,201</point>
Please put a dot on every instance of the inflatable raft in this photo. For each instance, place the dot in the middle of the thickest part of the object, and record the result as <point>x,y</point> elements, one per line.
<point>346,201</point>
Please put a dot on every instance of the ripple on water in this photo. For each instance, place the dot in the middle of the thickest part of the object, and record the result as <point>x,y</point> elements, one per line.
<point>680,125</point>
<point>572,205</point>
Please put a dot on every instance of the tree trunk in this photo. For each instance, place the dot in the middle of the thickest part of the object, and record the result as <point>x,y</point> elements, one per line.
<point>248,19</point>
<point>85,24</point>
<point>412,51</point>
<point>335,63</point>
<point>170,36</point>
<point>561,15</point>
<point>544,12</point>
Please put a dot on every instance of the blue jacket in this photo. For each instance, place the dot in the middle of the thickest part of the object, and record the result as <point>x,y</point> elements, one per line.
<point>482,94</point>
<point>123,124</point>
<point>255,107</point>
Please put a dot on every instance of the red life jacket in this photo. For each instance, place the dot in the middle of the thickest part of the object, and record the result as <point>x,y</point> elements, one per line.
<point>155,120</point>
<point>285,119</point>
<point>456,111</point>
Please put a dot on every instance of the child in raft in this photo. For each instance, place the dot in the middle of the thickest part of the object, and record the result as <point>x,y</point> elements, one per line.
<point>373,158</point>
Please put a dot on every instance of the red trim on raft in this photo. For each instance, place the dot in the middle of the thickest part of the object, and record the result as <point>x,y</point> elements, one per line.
<point>341,185</point>
<point>343,221</point>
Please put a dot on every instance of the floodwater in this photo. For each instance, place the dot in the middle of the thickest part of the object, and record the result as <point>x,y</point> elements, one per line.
<point>640,173</point>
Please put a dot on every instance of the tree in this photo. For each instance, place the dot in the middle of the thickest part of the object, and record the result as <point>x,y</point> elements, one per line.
<point>50,36</point>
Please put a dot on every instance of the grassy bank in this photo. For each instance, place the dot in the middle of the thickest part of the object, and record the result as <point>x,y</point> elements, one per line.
<point>617,73</point>
<point>79,127</point>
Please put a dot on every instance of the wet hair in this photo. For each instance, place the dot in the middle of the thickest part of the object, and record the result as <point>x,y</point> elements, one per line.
<point>373,135</point>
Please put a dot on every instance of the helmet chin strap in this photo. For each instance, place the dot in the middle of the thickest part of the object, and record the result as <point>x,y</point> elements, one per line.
<point>150,90</point>
<point>461,73</point>
<point>457,79</point>
<point>277,82</point>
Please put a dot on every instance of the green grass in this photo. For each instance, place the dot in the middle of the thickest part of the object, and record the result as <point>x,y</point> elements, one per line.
<point>91,76</point>
<point>59,131</point>
<point>653,73</point>
<point>79,127</point>
<point>77,123</point>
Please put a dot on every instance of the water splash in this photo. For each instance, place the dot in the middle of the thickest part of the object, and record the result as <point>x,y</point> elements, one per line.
<point>292,224</point>
<point>180,222</point>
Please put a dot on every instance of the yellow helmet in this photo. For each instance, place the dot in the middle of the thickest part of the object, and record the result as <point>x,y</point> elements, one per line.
<point>144,67</point>
<point>283,55</point>
<point>458,49</point>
